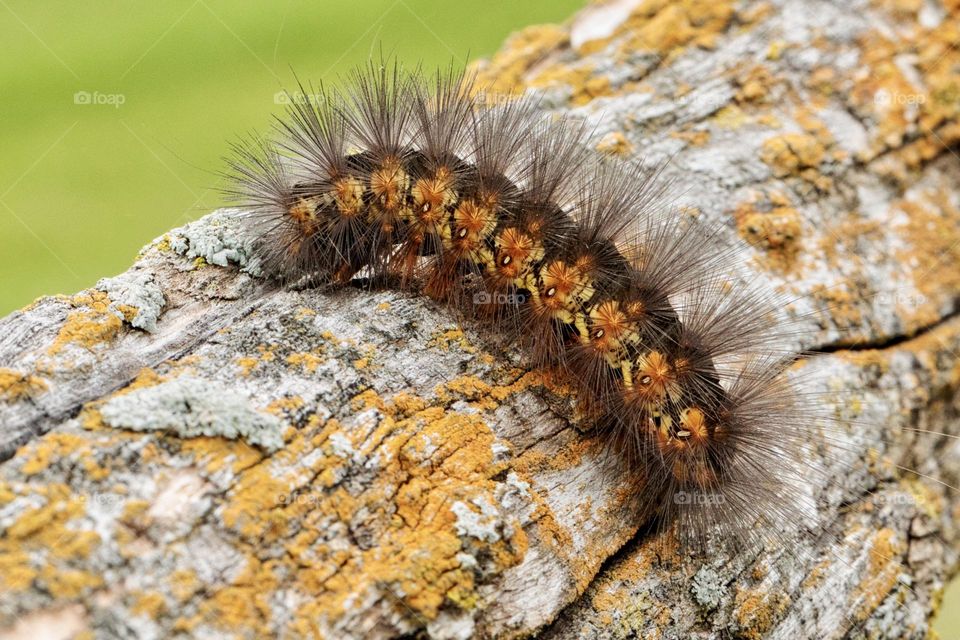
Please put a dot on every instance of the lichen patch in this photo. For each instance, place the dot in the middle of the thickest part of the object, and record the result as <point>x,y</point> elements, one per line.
<point>16,386</point>
<point>188,407</point>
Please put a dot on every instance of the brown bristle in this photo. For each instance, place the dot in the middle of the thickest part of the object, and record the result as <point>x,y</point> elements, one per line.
<point>507,218</point>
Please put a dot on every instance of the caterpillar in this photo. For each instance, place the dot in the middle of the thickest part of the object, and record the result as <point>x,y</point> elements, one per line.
<point>429,184</point>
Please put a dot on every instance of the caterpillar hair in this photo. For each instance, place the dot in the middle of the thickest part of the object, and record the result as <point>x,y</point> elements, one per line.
<point>426,183</point>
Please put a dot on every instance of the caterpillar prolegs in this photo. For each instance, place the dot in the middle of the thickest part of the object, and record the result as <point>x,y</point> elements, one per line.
<point>428,184</point>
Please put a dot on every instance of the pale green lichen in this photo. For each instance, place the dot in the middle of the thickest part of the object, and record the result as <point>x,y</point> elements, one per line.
<point>135,297</point>
<point>219,239</point>
<point>190,407</point>
<point>707,587</point>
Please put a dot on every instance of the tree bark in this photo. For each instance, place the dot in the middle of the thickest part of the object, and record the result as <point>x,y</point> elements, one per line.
<point>190,450</point>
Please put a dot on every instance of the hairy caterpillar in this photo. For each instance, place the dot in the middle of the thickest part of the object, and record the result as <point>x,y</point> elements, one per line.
<point>427,184</point>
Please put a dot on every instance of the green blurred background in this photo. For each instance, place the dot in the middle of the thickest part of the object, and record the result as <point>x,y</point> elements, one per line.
<point>116,114</point>
<point>84,186</point>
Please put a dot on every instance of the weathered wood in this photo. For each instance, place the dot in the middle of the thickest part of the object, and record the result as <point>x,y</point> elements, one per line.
<point>426,483</point>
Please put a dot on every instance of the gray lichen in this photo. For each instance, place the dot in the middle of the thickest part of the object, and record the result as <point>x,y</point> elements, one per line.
<point>219,239</point>
<point>137,289</point>
<point>190,407</point>
<point>707,587</point>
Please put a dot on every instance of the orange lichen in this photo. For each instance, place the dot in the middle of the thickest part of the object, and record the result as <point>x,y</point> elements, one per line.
<point>776,231</point>
<point>915,110</point>
<point>247,364</point>
<point>16,572</point>
<point>417,546</point>
<point>731,117</point>
<point>128,312</point>
<point>285,406</point>
<point>307,361</point>
<point>844,306</point>
<point>16,386</point>
<point>184,583</point>
<point>405,405</point>
<point>91,324</point>
<point>150,604</point>
<point>757,610</point>
<point>612,598</point>
<point>469,387</point>
<point>505,72</point>
<point>7,494</point>
<point>811,122</point>
<point>250,362</point>
<point>68,584</point>
<point>48,532</point>
<point>666,26</point>
<point>215,453</point>
<point>817,574</point>
<point>186,625</point>
<point>883,574</point>
<point>246,603</point>
<point>615,144</point>
<point>933,251</point>
<point>754,13</point>
<point>584,84</point>
<point>304,313</point>
<point>792,154</point>
<point>823,80</point>
<point>695,137</point>
<point>485,395</point>
<point>884,92</point>
<point>445,339</point>
<point>55,446</point>
<point>926,499</point>
<point>902,9</point>
<point>754,84</point>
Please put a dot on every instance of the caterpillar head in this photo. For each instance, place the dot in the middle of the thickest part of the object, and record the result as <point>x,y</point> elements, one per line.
<point>683,439</point>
